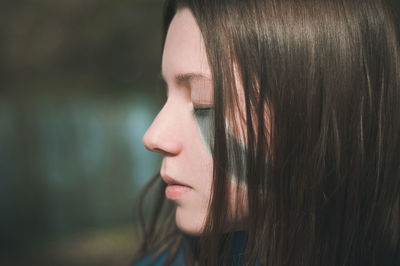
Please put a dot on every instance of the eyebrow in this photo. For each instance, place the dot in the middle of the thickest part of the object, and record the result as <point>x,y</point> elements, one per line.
<point>187,77</point>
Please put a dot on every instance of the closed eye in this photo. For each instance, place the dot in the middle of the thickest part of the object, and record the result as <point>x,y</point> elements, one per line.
<point>202,110</point>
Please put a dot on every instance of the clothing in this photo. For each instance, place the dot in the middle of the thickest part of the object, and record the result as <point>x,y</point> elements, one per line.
<point>235,259</point>
<point>178,261</point>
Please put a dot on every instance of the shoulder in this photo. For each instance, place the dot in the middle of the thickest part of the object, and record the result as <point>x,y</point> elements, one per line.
<point>154,260</point>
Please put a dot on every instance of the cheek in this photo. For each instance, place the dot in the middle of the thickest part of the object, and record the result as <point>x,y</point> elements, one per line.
<point>205,126</point>
<point>238,206</point>
<point>236,148</point>
<point>235,140</point>
<point>198,159</point>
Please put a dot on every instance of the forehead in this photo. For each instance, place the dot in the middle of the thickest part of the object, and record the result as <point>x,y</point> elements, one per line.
<point>184,49</point>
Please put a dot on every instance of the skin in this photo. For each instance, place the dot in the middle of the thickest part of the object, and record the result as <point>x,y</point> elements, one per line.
<point>174,132</point>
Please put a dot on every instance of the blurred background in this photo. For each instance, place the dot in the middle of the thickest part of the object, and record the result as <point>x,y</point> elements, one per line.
<point>79,87</point>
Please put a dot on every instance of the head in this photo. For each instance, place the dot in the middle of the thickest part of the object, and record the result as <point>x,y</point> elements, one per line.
<point>283,119</point>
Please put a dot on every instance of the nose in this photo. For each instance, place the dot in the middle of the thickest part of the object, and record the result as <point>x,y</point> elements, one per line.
<point>162,135</point>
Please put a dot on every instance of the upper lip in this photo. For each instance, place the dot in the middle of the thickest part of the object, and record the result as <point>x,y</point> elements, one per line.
<point>170,181</point>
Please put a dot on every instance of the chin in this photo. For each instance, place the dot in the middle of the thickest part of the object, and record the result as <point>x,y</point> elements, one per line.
<point>190,222</point>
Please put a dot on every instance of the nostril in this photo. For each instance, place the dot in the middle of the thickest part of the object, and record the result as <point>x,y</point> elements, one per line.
<point>149,145</point>
<point>162,152</point>
<point>166,145</point>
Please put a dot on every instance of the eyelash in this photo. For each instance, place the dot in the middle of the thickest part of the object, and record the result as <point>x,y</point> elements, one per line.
<point>199,110</point>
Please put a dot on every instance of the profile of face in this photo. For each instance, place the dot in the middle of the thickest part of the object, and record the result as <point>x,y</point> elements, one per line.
<point>181,132</point>
<point>187,162</point>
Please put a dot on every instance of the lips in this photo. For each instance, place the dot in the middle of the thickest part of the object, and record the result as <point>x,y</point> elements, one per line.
<point>175,189</point>
<point>170,181</point>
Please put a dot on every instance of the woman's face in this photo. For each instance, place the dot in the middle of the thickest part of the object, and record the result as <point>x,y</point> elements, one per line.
<point>187,163</point>
<point>181,132</point>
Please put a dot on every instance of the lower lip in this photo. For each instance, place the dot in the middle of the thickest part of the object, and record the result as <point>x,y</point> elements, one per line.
<point>174,192</point>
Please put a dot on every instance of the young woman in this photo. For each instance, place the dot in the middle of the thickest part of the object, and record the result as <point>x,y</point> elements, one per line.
<point>280,135</point>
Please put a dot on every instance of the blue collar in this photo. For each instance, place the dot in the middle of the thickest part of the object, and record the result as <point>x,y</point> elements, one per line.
<point>236,254</point>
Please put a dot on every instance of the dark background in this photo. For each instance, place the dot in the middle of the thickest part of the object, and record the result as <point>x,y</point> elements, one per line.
<point>78,89</point>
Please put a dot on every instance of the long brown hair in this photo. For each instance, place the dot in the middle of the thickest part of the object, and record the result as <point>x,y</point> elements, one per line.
<point>328,71</point>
